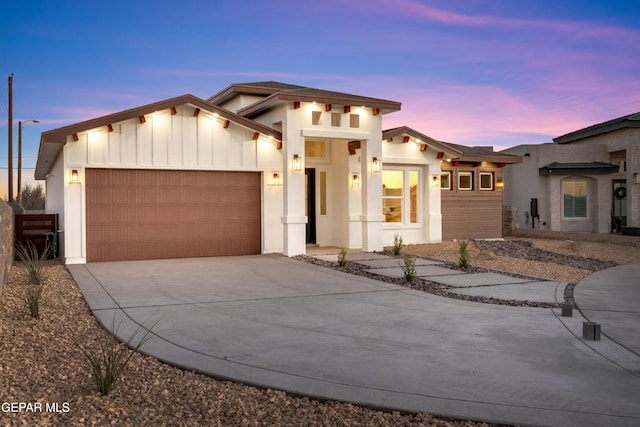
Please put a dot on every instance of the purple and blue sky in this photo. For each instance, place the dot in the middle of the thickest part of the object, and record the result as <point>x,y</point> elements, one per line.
<point>483,72</point>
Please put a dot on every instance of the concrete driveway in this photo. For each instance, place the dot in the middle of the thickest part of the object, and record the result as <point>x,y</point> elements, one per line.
<point>276,322</point>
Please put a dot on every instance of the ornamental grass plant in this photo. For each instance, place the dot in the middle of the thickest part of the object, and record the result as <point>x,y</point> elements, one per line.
<point>33,265</point>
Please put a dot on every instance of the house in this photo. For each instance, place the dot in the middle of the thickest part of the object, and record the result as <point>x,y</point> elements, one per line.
<point>585,181</point>
<point>262,167</point>
<point>472,193</point>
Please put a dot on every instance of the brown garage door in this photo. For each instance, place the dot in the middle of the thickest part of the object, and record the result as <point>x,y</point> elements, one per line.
<point>154,214</point>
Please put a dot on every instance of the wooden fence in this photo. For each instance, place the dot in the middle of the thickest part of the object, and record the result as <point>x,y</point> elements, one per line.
<point>39,229</point>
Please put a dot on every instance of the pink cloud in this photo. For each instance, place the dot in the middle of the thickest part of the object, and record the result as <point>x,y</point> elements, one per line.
<point>579,29</point>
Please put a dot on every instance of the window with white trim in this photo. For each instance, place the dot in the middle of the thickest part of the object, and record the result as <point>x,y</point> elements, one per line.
<point>465,180</point>
<point>486,180</point>
<point>445,180</point>
<point>575,202</point>
<point>401,196</point>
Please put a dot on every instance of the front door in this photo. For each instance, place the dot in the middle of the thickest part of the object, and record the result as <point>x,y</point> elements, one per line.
<point>619,218</point>
<point>310,203</point>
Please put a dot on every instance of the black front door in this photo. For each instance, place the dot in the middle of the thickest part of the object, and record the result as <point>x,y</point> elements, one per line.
<point>619,211</point>
<point>310,203</point>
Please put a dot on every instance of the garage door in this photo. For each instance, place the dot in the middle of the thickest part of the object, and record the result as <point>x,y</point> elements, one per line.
<point>154,214</point>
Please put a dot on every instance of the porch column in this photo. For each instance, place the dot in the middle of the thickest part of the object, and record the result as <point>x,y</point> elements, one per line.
<point>433,220</point>
<point>294,220</point>
<point>371,217</point>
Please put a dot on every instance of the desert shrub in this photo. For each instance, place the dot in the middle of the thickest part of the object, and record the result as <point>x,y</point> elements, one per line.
<point>342,256</point>
<point>34,267</point>
<point>409,268</point>
<point>111,357</point>
<point>397,244</point>
<point>463,252</point>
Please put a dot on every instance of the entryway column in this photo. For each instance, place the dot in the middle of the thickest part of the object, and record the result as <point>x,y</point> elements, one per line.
<point>372,217</point>
<point>293,158</point>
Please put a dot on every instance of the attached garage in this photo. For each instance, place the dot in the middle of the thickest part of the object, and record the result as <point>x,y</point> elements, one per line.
<point>155,214</point>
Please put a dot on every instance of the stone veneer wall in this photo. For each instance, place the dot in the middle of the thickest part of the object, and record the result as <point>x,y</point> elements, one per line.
<point>6,241</point>
<point>510,220</point>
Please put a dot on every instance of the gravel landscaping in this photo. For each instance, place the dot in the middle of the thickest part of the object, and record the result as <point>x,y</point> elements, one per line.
<point>40,364</point>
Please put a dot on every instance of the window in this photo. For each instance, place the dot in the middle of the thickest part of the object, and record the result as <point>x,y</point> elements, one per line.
<point>323,193</point>
<point>392,195</point>
<point>401,196</point>
<point>413,196</point>
<point>486,180</point>
<point>315,117</point>
<point>354,120</point>
<point>465,180</point>
<point>314,149</point>
<point>336,119</point>
<point>574,199</point>
<point>445,180</point>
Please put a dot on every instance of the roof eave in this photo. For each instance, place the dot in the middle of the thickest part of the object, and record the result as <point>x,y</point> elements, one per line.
<point>59,136</point>
<point>405,130</point>
<point>609,126</point>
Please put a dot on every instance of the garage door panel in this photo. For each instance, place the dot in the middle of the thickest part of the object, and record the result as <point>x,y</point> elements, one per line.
<point>154,214</point>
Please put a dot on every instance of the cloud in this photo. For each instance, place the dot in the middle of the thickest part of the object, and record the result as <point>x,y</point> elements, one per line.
<point>579,29</point>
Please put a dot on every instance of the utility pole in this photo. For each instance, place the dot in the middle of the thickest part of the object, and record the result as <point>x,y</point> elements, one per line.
<point>10,140</point>
<point>20,124</point>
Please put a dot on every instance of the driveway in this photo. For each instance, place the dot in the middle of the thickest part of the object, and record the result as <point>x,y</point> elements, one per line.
<point>276,322</point>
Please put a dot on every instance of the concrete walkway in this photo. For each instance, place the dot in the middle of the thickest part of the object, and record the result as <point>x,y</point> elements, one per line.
<point>280,323</point>
<point>612,299</point>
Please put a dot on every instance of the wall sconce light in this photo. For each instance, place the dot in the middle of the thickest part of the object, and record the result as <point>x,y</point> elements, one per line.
<point>355,180</point>
<point>74,176</point>
<point>499,183</point>
<point>435,181</point>
<point>375,165</point>
<point>275,178</point>
<point>296,163</point>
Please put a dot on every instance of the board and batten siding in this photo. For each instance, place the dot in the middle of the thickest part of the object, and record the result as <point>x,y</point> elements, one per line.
<point>179,141</point>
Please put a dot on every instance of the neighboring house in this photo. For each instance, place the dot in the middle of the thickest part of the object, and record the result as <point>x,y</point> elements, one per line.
<point>257,168</point>
<point>587,180</point>
<point>472,193</point>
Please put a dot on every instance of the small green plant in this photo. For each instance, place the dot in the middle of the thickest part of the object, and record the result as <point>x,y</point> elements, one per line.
<point>111,357</point>
<point>463,251</point>
<point>34,267</point>
<point>397,244</point>
<point>342,256</point>
<point>409,268</point>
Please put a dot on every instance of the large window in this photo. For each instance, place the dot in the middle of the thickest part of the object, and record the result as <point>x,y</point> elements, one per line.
<point>401,196</point>
<point>575,199</point>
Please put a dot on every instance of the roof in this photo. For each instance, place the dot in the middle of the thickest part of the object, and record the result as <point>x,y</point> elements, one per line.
<point>484,154</point>
<point>593,168</point>
<point>276,92</point>
<point>438,145</point>
<point>630,121</point>
<point>51,142</point>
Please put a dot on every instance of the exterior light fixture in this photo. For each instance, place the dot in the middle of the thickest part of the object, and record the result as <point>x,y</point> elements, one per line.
<point>499,183</point>
<point>75,179</point>
<point>355,180</point>
<point>435,181</point>
<point>275,178</point>
<point>296,163</point>
<point>375,165</point>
